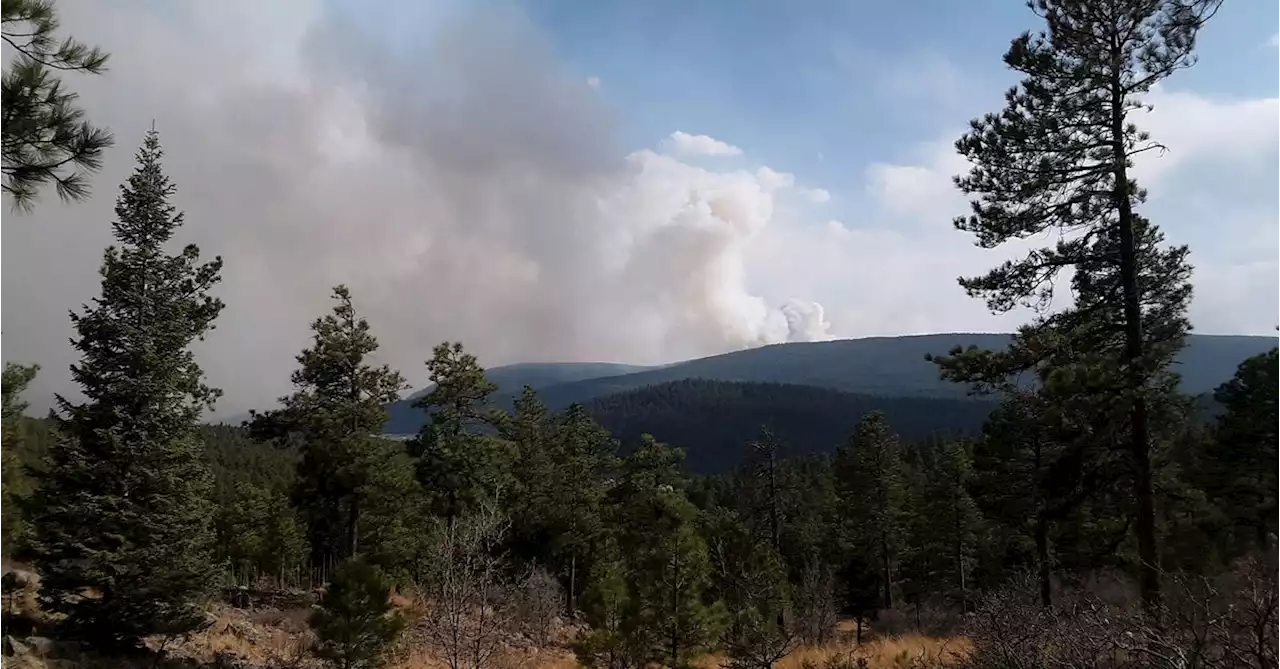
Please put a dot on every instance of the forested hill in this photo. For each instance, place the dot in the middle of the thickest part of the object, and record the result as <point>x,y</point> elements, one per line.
<point>886,366</point>
<point>714,420</point>
<point>876,366</point>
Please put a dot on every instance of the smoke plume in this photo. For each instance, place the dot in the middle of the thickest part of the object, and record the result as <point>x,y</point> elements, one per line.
<point>467,188</point>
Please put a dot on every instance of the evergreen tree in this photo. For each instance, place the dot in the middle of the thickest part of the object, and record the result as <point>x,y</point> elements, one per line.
<point>124,499</point>
<point>458,465</point>
<point>868,471</point>
<point>46,137</point>
<point>334,417</point>
<point>17,485</point>
<point>749,578</point>
<point>658,533</point>
<point>1057,159</point>
<point>355,623</point>
<point>260,534</point>
<point>1242,458</point>
<point>615,639</point>
<point>944,524</point>
<point>561,465</point>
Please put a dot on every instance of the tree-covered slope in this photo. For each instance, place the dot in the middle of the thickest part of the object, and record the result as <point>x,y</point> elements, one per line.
<point>886,366</point>
<point>714,420</point>
<point>511,379</point>
<point>878,366</point>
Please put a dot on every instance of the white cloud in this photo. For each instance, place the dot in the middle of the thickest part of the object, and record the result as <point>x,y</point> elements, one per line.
<point>1275,40</point>
<point>816,195</point>
<point>681,143</point>
<point>594,83</point>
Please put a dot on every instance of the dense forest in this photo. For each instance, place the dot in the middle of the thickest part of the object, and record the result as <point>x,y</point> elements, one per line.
<point>1091,519</point>
<point>711,420</point>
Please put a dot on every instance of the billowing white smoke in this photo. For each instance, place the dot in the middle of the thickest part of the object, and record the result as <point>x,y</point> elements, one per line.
<point>472,191</point>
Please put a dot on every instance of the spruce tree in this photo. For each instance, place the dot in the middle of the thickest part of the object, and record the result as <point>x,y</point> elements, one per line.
<point>124,498</point>
<point>335,418</point>
<point>1057,160</point>
<point>46,137</point>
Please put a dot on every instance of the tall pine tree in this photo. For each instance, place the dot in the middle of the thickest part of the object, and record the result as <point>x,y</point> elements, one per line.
<point>123,536</point>
<point>335,417</point>
<point>868,473</point>
<point>458,465</point>
<point>1058,159</point>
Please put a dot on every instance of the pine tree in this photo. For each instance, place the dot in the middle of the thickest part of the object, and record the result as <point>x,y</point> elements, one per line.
<point>355,623</point>
<point>335,418</point>
<point>458,465</point>
<point>1242,457</point>
<point>16,484</point>
<point>561,465</point>
<point>868,471</point>
<point>944,523</point>
<point>45,133</point>
<point>124,498</point>
<point>616,639</point>
<point>658,533</point>
<point>1057,159</point>
<point>749,578</point>
<point>260,534</point>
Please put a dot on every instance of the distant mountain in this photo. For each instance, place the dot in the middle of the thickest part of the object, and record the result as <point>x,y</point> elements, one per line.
<point>875,366</point>
<point>511,380</point>
<point>714,420</point>
<point>885,366</point>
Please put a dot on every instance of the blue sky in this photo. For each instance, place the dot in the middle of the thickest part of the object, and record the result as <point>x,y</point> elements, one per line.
<point>823,88</point>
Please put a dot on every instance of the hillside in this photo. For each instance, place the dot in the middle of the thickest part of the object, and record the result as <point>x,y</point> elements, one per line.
<point>876,366</point>
<point>714,420</point>
<point>888,366</point>
<point>510,379</point>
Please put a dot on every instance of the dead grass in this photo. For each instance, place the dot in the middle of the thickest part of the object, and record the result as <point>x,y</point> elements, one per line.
<point>280,638</point>
<point>890,652</point>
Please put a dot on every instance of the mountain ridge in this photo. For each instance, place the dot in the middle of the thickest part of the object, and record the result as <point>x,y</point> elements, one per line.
<point>890,366</point>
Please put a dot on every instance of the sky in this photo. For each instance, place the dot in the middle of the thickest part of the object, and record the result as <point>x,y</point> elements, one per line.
<point>644,182</point>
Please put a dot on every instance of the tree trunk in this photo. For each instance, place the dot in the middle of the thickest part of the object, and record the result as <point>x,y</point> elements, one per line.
<point>1139,447</point>
<point>573,584</point>
<point>1042,559</point>
<point>353,526</point>
<point>884,563</point>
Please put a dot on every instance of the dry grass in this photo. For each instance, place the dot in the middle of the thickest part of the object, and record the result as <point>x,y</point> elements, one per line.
<point>891,652</point>
<point>280,638</point>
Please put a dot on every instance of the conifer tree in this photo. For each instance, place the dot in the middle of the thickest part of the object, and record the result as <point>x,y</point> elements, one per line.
<point>1242,458</point>
<point>335,418</point>
<point>124,499</point>
<point>868,471</point>
<point>561,466</point>
<point>616,639</point>
<point>16,484</point>
<point>458,465</point>
<point>659,536</point>
<point>355,623</point>
<point>46,137</point>
<point>952,517</point>
<point>1058,159</point>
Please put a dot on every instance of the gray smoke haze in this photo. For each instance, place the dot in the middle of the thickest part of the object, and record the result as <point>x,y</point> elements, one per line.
<point>468,189</point>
